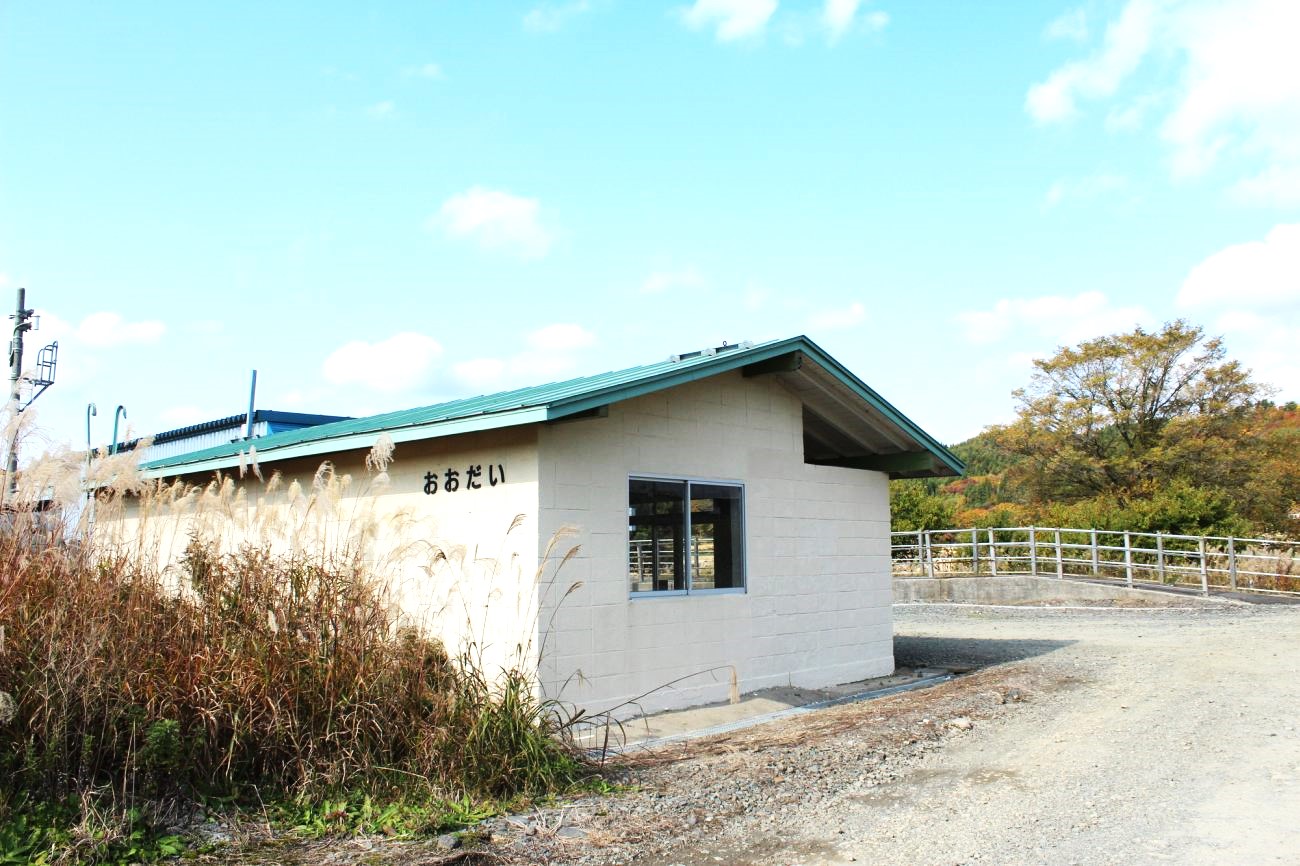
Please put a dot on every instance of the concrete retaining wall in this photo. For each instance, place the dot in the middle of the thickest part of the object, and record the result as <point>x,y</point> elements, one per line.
<point>1022,589</point>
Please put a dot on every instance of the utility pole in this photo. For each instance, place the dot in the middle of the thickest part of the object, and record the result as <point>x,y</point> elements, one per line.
<point>42,378</point>
<point>22,324</point>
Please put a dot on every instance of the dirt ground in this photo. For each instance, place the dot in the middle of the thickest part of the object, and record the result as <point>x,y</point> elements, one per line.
<point>1080,737</point>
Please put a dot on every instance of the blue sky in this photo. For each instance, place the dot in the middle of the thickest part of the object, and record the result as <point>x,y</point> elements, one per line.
<point>385,205</point>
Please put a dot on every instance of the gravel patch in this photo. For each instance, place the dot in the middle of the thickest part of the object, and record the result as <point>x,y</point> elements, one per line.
<point>1079,736</point>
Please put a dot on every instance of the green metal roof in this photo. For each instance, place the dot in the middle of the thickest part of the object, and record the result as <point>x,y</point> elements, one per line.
<point>536,404</point>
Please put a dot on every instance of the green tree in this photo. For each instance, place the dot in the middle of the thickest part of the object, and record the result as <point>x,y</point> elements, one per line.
<point>1123,414</point>
<point>912,507</point>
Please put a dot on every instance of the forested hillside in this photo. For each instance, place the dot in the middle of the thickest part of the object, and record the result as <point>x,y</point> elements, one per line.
<point>1141,431</point>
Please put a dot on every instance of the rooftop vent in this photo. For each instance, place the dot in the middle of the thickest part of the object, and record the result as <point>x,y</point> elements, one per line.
<point>744,344</point>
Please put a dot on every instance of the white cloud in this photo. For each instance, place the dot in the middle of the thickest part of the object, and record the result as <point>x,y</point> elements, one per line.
<point>551,354</point>
<point>404,362</point>
<point>1227,76</point>
<point>425,70</point>
<point>496,220</point>
<point>1277,185</point>
<point>838,319</point>
<point>1242,81</point>
<point>106,330</point>
<point>549,17</point>
<point>561,337</point>
<point>1266,346</point>
<point>1052,317</point>
<point>516,371</point>
<point>1087,188</point>
<point>840,16</point>
<point>1071,24</point>
<point>1255,274</point>
<point>381,109</point>
<point>479,373</point>
<point>662,281</point>
<point>1252,290</point>
<point>1126,43</point>
<point>1130,116</point>
<point>732,19</point>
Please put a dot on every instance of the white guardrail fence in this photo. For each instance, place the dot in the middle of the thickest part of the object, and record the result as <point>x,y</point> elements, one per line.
<point>1205,562</point>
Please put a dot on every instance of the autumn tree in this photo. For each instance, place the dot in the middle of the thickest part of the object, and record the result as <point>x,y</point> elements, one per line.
<point>912,507</point>
<point>1120,415</point>
<point>1268,493</point>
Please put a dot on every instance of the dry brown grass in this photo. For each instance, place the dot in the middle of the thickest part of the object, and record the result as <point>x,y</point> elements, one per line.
<point>202,642</point>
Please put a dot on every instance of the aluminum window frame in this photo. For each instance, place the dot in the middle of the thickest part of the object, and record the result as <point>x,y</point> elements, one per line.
<point>688,480</point>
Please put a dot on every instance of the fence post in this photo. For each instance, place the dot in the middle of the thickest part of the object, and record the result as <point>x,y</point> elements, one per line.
<point>1205,570</point>
<point>929,555</point>
<point>1096,558</point>
<point>1128,559</point>
<point>1160,556</point>
<point>1033,553</point>
<point>993,555</point>
<point>1060,557</point>
<point>920,552</point>
<point>1232,562</point>
<point>975,551</point>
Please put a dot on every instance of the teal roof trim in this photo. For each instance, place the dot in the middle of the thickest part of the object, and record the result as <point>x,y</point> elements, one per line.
<point>527,406</point>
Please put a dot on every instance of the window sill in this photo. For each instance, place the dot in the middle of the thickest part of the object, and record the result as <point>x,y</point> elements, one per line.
<point>679,593</point>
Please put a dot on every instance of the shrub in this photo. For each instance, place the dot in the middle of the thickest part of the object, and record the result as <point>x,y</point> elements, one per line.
<point>1178,507</point>
<point>282,672</point>
<point>274,672</point>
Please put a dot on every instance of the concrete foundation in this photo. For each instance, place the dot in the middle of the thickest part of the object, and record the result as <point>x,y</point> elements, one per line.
<point>1023,589</point>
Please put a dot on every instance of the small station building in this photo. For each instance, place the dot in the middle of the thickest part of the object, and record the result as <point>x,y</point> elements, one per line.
<point>725,513</point>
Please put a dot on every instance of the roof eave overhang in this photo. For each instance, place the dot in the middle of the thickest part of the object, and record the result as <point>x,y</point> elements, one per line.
<point>941,461</point>
<point>351,442</point>
<point>906,464</point>
<point>930,458</point>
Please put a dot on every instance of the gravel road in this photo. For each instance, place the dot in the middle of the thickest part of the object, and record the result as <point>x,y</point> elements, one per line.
<point>1081,737</point>
<point>1168,736</point>
<point>1179,746</point>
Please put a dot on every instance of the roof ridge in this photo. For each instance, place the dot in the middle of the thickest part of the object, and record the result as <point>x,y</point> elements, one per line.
<point>532,404</point>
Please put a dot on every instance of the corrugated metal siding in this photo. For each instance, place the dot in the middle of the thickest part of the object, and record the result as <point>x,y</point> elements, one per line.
<point>199,441</point>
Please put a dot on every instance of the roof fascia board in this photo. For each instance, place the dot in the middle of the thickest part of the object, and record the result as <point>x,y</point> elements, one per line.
<point>893,464</point>
<point>356,441</point>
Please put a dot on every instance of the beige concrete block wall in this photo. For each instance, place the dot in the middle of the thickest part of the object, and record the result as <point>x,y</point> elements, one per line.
<point>818,605</point>
<point>461,565</point>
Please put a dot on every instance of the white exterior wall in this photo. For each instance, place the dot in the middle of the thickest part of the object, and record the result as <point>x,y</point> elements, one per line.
<point>453,562</point>
<point>817,609</point>
<point>817,604</point>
